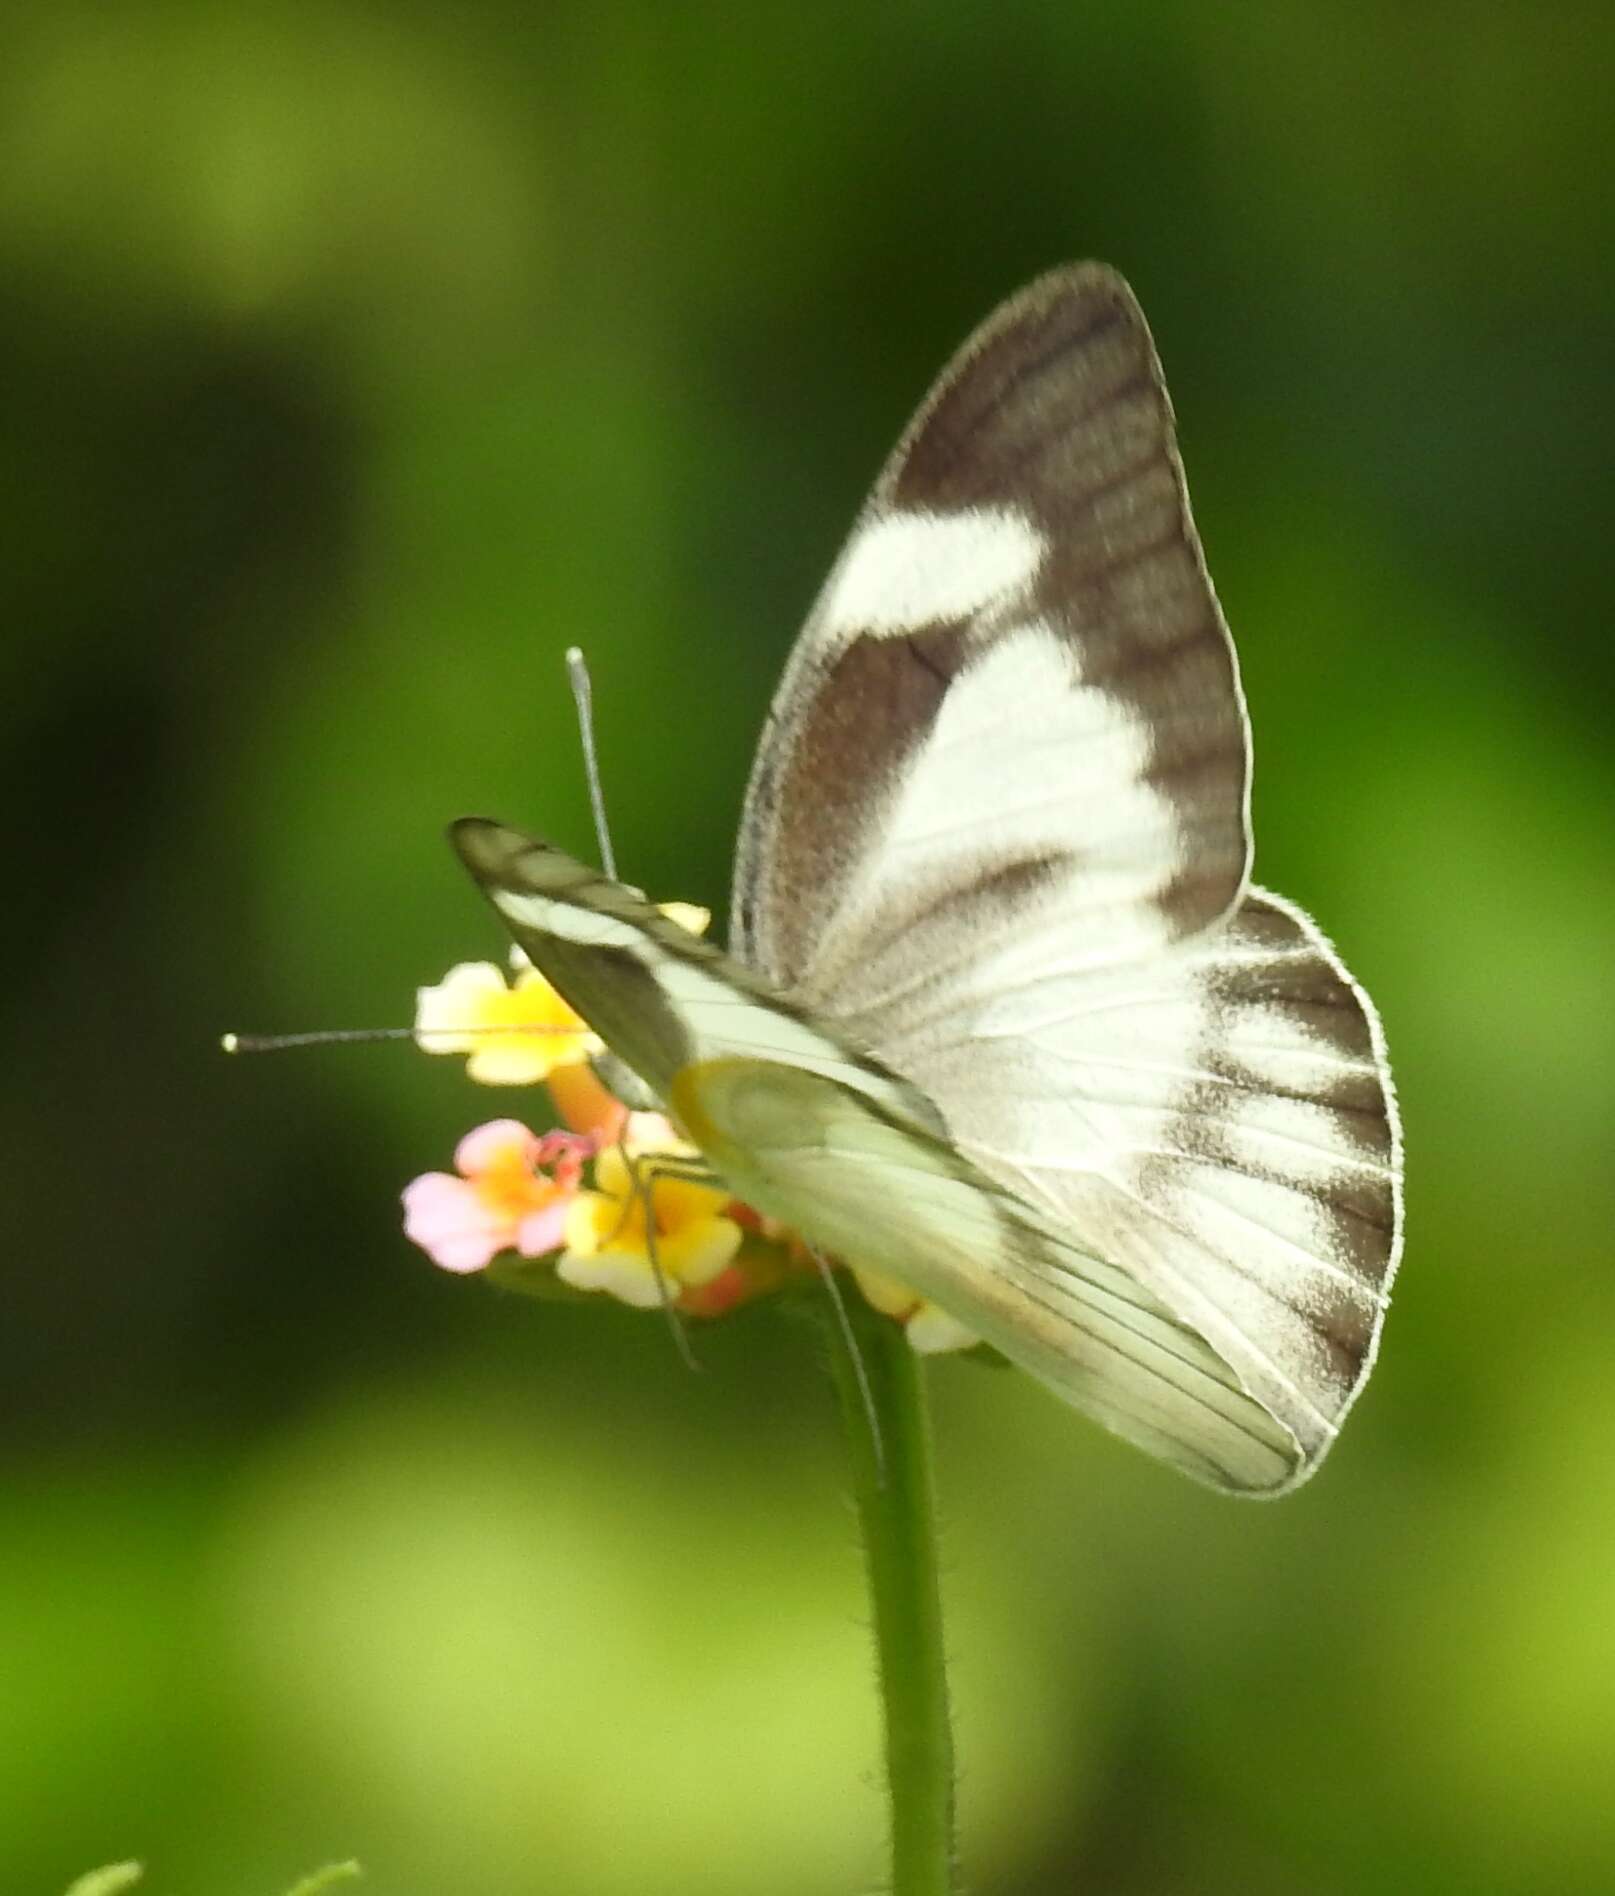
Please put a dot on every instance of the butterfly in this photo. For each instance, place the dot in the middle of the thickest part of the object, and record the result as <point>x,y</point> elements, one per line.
<point>1003,1015</point>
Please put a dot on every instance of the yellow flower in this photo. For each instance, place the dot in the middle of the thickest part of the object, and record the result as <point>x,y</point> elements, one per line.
<point>930,1329</point>
<point>607,1244</point>
<point>518,1032</point>
<point>515,1033</point>
<point>690,916</point>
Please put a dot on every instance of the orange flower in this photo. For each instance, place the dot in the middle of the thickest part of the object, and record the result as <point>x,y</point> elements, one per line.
<point>586,1104</point>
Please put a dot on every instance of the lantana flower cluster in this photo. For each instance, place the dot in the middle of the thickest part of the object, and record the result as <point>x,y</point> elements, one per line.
<point>611,1200</point>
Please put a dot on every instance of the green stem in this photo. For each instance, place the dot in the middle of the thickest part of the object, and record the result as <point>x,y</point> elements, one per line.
<point>896,1509</point>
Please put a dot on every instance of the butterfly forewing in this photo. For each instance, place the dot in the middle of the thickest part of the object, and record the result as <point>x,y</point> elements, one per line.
<point>661,998</point>
<point>1016,689</point>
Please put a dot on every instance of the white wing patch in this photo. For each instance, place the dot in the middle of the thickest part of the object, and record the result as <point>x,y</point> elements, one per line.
<point>1025,763</point>
<point>570,921</point>
<point>1036,499</point>
<point>904,571</point>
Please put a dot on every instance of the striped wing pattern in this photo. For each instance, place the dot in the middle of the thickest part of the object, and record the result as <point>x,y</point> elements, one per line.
<point>1016,681</point>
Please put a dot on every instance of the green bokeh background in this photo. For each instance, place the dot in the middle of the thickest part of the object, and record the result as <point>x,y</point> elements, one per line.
<point>356,362</point>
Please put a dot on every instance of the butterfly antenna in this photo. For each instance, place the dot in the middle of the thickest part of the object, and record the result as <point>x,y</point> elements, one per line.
<point>643,1187</point>
<point>577,670</point>
<point>844,1324</point>
<point>327,1037</point>
<point>360,1036</point>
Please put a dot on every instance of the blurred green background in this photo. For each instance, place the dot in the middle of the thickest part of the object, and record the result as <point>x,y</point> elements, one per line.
<point>356,362</point>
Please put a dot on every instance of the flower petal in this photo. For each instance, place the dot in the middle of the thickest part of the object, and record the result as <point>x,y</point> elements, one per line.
<point>508,1060</point>
<point>626,1275</point>
<point>697,1252</point>
<point>725,1292</point>
<point>654,1133</point>
<point>545,1229</point>
<point>690,916</point>
<point>445,1014</point>
<point>585,1103</point>
<point>446,1217</point>
<point>591,1218</point>
<point>499,1143</point>
<point>931,1331</point>
<point>515,1034</point>
<point>886,1294</point>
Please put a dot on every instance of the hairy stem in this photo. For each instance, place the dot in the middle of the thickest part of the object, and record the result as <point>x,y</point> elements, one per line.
<point>889,1445</point>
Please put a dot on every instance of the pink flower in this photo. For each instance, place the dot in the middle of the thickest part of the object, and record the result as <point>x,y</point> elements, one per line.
<point>504,1199</point>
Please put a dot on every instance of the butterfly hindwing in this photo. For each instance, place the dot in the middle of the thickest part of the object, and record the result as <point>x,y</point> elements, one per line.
<point>1218,1119</point>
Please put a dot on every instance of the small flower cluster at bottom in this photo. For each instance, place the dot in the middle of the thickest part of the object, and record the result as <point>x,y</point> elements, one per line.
<point>647,1227</point>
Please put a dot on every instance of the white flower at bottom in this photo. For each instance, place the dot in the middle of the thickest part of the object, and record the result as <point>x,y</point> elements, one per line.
<point>930,1329</point>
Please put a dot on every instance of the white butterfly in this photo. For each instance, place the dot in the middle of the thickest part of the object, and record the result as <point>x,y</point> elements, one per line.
<point>1003,1016</point>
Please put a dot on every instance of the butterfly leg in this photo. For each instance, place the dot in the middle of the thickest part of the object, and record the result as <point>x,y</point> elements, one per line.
<point>849,1341</point>
<point>644,1169</point>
